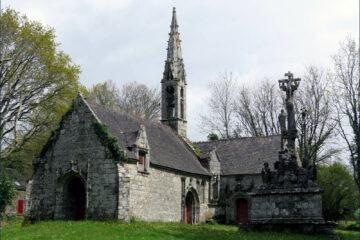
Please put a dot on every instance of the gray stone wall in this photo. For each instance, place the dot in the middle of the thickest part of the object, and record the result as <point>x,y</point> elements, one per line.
<point>27,197</point>
<point>214,164</point>
<point>279,206</point>
<point>158,195</point>
<point>77,151</point>
<point>232,188</point>
<point>215,182</point>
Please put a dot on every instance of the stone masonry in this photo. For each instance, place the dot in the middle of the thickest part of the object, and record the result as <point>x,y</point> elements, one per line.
<point>75,150</point>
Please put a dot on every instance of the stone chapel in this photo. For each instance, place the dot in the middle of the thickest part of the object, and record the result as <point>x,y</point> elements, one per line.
<point>104,164</point>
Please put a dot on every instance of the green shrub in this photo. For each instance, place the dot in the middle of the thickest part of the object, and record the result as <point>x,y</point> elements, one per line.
<point>6,192</point>
<point>357,217</point>
<point>212,137</point>
<point>340,196</point>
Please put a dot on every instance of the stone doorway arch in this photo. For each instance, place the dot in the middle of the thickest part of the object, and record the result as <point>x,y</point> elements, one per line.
<point>191,208</point>
<point>74,198</point>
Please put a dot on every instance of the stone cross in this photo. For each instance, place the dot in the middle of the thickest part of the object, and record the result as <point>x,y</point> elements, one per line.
<point>289,85</point>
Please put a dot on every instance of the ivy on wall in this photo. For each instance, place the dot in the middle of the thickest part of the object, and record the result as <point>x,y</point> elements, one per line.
<point>197,150</point>
<point>110,141</point>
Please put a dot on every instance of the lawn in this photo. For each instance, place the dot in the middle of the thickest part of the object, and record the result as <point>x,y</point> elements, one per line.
<point>91,230</point>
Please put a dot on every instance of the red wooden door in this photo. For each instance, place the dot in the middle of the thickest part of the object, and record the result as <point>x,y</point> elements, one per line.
<point>20,207</point>
<point>241,211</point>
<point>188,209</point>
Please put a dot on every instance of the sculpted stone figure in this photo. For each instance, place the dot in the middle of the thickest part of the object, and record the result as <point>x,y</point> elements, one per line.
<point>282,123</point>
<point>266,174</point>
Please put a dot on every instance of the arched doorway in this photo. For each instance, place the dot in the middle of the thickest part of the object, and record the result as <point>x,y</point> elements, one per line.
<point>74,198</point>
<point>191,208</point>
<point>241,211</point>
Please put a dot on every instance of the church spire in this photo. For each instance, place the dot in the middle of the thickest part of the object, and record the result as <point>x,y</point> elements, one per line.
<point>174,47</point>
<point>173,84</point>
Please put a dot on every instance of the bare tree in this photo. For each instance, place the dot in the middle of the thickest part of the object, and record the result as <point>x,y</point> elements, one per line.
<point>247,118</point>
<point>268,101</point>
<point>105,94</point>
<point>139,100</point>
<point>317,126</point>
<point>133,98</point>
<point>256,111</point>
<point>219,119</point>
<point>347,98</point>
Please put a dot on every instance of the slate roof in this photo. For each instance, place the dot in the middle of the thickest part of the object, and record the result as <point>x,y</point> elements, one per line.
<point>166,148</point>
<point>243,155</point>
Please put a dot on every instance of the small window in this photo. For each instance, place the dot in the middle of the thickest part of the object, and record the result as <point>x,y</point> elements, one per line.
<point>182,92</point>
<point>141,163</point>
<point>182,108</point>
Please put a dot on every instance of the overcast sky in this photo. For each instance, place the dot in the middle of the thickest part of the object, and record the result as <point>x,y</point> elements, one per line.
<point>125,40</point>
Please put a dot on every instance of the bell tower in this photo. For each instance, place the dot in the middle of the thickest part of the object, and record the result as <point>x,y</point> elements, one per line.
<point>173,83</point>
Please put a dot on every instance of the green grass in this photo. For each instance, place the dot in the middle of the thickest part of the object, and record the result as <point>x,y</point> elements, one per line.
<point>91,230</point>
<point>348,235</point>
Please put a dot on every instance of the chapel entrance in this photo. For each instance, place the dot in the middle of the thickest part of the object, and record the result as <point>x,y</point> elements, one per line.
<point>189,211</point>
<point>74,199</point>
<point>241,211</point>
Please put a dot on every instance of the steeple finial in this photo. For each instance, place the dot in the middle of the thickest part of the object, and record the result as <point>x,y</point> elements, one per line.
<point>174,26</point>
<point>174,48</point>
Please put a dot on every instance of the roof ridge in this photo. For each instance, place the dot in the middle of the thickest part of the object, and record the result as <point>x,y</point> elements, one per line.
<point>238,138</point>
<point>119,112</point>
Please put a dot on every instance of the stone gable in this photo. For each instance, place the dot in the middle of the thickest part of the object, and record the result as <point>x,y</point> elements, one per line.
<point>75,151</point>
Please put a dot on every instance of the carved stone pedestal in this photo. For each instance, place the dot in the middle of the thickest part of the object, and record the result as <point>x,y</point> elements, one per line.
<point>296,209</point>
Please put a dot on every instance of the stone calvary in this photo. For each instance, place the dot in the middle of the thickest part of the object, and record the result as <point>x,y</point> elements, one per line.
<point>289,196</point>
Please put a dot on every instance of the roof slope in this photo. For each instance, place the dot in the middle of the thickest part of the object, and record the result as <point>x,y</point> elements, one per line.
<point>166,148</point>
<point>244,155</point>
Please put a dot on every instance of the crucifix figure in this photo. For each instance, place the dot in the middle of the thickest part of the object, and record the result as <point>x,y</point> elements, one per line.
<point>289,85</point>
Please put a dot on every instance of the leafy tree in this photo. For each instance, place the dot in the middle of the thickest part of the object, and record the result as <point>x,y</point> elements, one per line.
<point>340,197</point>
<point>37,84</point>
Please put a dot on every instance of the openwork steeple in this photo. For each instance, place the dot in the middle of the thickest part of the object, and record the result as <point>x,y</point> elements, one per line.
<point>173,83</point>
<point>174,66</point>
